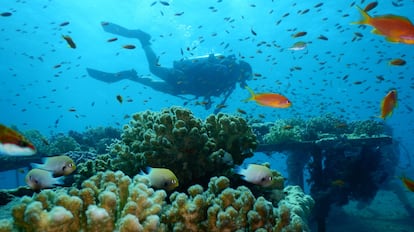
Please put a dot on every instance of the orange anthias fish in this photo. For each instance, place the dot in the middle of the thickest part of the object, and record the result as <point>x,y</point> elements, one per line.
<point>408,183</point>
<point>395,28</point>
<point>388,104</point>
<point>14,144</point>
<point>269,99</point>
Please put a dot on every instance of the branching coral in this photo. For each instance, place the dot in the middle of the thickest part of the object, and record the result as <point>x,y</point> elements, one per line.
<point>221,208</point>
<point>111,201</point>
<point>96,139</point>
<point>194,150</point>
<point>61,144</point>
<point>108,201</point>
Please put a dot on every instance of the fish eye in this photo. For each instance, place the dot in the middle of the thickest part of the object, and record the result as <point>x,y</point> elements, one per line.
<point>33,180</point>
<point>169,182</point>
<point>23,143</point>
<point>266,178</point>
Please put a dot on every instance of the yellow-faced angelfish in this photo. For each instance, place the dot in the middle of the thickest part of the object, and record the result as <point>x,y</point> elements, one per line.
<point>61,165</point>
<point>162,178</point>
<point>40,179</point>
<point>256,174</point>
<point>14,144</point>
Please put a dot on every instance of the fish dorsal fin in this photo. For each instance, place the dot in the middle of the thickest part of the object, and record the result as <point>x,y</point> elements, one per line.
<point>366,18</point>
<point>375,31</point>
<point>401,18</point>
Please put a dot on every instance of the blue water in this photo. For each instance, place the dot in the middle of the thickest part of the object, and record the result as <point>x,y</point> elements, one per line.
<point>35,95</point>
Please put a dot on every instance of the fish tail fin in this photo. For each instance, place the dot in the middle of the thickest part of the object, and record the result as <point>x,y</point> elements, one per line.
<point>38,166</point>
<point>252,94</point>
<point>365,17</point>
<point>240,171</point>
<point>59,180</point>
<point>383,117</point>
<point>146,172</point>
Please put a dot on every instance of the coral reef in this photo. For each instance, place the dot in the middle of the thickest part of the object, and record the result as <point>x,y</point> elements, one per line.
<point>285,131</point>
<point>108,201</point>
<point>368,127</point>
<point>112,201</point>
<point>39,141</point>
<point>194,150</point>
<point>96,139</point>
<point>221,208</point>
<point>89,167</point>
<point>260,129</point>
<point>320,128</point>
<point>60,144</point>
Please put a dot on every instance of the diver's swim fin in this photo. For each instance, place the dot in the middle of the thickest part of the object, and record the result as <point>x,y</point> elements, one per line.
<point>116,29</point>
<point>112,77</point>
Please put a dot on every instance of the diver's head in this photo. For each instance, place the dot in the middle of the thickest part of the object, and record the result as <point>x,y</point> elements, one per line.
<point>245,72</point>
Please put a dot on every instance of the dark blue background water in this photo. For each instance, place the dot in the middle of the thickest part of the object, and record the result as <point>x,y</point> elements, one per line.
<point>35,95</point>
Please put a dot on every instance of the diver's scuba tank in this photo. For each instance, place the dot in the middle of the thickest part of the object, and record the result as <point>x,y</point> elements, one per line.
<point>187,62</point>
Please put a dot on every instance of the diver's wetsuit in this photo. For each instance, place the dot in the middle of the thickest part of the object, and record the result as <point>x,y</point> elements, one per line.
<point>213,75</point>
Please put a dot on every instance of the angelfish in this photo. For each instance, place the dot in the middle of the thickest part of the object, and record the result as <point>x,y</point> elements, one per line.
<point>14,144</point>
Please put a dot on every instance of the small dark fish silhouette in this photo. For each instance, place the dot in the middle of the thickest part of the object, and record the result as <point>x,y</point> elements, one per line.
<point>6,14</point>
<point>69,41</point>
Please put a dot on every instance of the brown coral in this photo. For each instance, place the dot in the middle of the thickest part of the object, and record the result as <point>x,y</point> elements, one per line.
<point>174,138</point>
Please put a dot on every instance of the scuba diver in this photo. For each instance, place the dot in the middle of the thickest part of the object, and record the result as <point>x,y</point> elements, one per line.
<point>204,76</point>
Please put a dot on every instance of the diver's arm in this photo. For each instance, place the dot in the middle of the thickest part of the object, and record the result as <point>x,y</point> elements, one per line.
<point>223,102</point>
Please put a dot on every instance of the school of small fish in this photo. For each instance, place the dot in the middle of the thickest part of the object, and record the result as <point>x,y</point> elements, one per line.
<point>292,81</point>
<point>285,74</point>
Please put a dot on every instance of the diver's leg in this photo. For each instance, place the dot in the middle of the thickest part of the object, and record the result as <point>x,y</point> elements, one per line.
<point>165,74</point>
<point>112,77</point>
